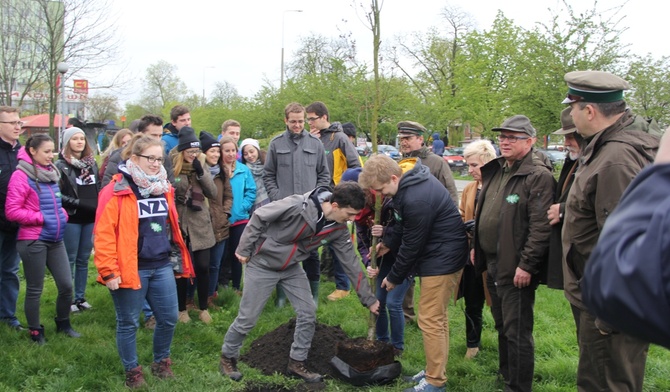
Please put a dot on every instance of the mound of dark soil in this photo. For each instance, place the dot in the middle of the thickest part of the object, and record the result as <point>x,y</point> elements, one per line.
<point>270,352</point>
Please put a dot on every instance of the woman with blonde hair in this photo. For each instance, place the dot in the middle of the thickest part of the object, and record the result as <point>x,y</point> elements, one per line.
<point>120,139</point>
<point>192,189</point>
<point>476,154</point>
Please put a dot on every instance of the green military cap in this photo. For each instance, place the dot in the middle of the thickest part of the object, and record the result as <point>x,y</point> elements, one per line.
<point>410,128</point>
<point>567,125</point>
<point>518,123</point>
<point>594,86</point>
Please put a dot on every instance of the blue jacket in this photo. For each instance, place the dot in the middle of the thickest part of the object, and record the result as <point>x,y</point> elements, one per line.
<point>244,193</point>
<point>170,139</point>
<point>429,232</point>
<point>626,282</point>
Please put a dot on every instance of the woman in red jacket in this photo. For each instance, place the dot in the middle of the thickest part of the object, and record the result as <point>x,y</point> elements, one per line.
<point>134,226</point>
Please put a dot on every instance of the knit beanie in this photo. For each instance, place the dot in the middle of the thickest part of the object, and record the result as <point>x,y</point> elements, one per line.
<point>248,141</point>
<point>69,132</point>
<point>187,139</point>
<point>208,141</point>
<point>349,129</point>
<point>351,174</point>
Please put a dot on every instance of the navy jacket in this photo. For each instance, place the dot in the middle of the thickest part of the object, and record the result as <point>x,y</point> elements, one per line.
<point>627,279</point>
<point>8,162</point>
<point>429,228</point>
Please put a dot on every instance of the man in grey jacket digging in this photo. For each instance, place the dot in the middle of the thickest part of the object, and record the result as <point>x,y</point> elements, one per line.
<point>277,238</point>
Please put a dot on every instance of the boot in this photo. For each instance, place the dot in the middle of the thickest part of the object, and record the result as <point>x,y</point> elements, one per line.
<point>161,369</point>
<point>65,327</point>
<point>211,304</point>
<point>281,298</point>
<point>228,367</point>
<point>204,316</point>
<point>298,369</point>
<point>37,335</point>
<point>135,378</point>
<point>314,287</point>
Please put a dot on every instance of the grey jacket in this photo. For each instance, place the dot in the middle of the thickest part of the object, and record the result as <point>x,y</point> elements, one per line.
<point>295,164</point>
<point>284,232</point>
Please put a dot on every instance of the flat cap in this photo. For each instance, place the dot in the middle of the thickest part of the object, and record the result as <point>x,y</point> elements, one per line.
<point>410,128</point>
<point>517,123</point>
<point>594,86</point>
<point>567,125</point>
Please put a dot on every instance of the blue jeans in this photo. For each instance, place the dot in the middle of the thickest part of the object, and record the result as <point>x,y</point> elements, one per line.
<point>341,279</point>
<point>9,278</point>
<point>160,289</point>
<point>78,240</point>
<point>215,256</point>
<point>390,309</point>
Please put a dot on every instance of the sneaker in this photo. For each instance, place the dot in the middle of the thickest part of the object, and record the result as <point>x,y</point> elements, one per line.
<point>471,352</point>
<point>338,295</point>
<point>228,367</point>
<point>184,317</point>
<point>74,308</point>
<point>135,378</point>
<point>415,378</point>
<point>162,369</point>
<point>83,305</point>
<point>298,369</point>
<point>423,386</point>
<point>150,323</point>
<point>205,316</point>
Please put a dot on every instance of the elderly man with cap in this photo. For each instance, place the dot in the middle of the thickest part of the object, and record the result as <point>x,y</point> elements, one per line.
<point>411,135</point>
<point>555,213</point>
<point>511,242</point>
<point>618,145</point>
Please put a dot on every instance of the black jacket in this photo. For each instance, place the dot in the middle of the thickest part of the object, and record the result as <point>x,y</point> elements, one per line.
<point>68,188</point>
<point>428,228</point>
<point>8,162</point>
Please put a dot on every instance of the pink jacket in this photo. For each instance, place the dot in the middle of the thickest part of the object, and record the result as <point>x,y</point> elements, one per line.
<point>38,211</point>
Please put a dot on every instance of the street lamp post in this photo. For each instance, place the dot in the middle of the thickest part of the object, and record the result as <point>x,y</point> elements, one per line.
<point>283,18</point>
<point>203,82</point>
<point>62,69</point>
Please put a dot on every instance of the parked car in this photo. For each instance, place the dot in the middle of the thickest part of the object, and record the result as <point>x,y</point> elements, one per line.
<point>389,151</point>
<point>363,151</point>
<point>554,156</point>
<point>454,158</point>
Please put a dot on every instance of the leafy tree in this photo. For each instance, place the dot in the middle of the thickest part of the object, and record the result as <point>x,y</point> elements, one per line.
<point>103,107</point>
<point>162,87</point>
<point>650,96</point>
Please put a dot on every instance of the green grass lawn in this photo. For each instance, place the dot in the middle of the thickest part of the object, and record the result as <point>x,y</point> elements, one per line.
<point>92,363</point>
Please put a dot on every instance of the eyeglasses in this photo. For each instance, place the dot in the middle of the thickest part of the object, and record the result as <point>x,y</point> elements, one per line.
<point>310,119</point>
<point>192,153</point>
<point>511,139</point>
<point>151,159</point>
<point>13,123</point>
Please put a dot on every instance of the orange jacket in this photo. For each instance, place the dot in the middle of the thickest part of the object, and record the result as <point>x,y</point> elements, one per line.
<point>116,234</point>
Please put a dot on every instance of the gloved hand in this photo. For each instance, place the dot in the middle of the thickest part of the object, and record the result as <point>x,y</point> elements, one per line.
<point>197,166</point>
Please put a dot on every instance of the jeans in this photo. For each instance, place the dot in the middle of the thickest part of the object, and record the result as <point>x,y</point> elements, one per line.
<point>512,310</point>
<point>312,266</point>
<point>159,288</point>
<point>390,309</point>
<point>37,256</point>
<point>341,279</point>
<point>78,240</point>
<point>9,277</point>
<point>215,256</point>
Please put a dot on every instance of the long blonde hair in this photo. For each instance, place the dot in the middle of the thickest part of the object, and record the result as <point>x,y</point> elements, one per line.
<point>115,144</point>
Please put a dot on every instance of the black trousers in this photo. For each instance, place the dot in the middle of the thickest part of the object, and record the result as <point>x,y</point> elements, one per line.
<point>473,293</point>
<point>512,310</point>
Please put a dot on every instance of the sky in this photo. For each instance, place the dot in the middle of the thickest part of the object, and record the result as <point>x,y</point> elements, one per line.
<point>240,41</point>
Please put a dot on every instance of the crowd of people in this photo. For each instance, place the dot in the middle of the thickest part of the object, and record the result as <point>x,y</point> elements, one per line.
<point>173,216</point>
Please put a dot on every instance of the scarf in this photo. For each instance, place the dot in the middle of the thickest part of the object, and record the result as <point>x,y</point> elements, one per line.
<point>257,170</point>
<point>39,173</point>
<point>148,185</point>
<point>214,170</point>
<point>194,195</point>
<point>85,164</point>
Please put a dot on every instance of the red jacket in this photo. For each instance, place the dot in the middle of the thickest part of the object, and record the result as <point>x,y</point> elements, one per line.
<point>116,234</point>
